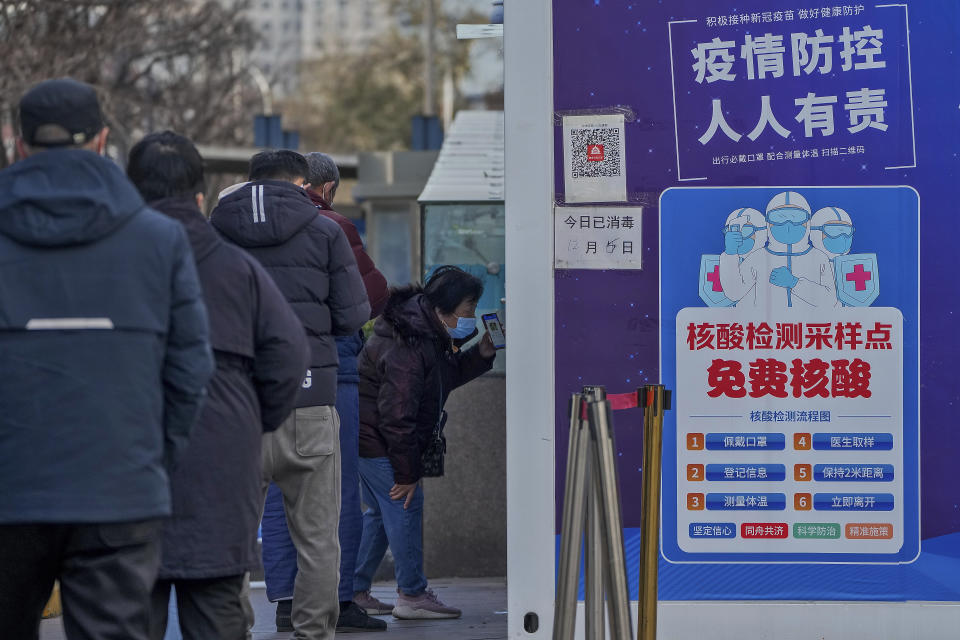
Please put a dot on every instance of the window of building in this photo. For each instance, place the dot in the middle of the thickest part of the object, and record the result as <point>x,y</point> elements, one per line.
<point>368,15</point>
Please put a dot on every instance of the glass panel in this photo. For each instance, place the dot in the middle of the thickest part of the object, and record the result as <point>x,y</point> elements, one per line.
<point>470,236</point>
<point>394,249</point>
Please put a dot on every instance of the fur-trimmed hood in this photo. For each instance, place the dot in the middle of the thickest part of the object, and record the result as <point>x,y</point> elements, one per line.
<point>407,369</point>
<point>408,317</point>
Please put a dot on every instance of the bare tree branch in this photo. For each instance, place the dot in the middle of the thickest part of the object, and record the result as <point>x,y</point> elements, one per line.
<point>155,63</point>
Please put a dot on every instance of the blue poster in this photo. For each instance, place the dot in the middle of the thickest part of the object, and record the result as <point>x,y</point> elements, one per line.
<point>796,416</point>
<point>804,159</point>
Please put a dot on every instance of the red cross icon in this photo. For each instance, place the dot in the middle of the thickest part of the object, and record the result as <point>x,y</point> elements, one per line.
<point>860,277</point>
<point>714,277</point>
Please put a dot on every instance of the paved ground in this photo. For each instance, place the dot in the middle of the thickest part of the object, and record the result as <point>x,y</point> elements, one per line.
<point>484,603</point>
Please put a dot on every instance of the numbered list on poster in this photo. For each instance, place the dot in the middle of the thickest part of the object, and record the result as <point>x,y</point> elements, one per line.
<point>790,433</point>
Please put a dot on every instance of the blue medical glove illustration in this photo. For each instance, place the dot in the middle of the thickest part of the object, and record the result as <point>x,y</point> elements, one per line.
<point>782,277</point>
<point>732,241</point>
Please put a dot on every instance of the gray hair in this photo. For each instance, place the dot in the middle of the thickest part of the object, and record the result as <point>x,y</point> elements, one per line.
<point>322,169</point>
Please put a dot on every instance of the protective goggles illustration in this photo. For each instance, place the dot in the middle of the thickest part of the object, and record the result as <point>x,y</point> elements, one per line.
<point>746,230</point>
<point>787,214</point>
<point>835,230</point>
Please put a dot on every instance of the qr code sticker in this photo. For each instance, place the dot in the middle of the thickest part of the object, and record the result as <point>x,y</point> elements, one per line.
<point>595,152</point>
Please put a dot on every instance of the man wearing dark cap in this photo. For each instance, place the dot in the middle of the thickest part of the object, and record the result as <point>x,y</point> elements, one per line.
<point>104,356</point>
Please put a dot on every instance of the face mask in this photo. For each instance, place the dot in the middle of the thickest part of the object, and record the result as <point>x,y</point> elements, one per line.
<point>838,245</point>
<point>465,326</point>
<point>788,232</point>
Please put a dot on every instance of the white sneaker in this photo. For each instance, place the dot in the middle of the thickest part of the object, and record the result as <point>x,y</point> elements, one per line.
<point>426,606</point>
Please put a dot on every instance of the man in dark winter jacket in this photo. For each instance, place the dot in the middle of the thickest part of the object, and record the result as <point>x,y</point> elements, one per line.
<point>261,353</point>
<point>280,561</point>
<point>310,259</point>
<point>104,356</point>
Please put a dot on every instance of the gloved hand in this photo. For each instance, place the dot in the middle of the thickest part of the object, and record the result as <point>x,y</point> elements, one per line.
<point>731,242</point>
<point>782,277</point>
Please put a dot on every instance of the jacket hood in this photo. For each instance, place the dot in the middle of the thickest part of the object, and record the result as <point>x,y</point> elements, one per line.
<point>263,213</point>
<point>232,188</point>
<point>203,239</point>
<point>65,197</point>
<point>408,317</point>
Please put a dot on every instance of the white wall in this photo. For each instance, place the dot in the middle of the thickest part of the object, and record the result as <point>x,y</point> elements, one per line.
<point>529,191</point>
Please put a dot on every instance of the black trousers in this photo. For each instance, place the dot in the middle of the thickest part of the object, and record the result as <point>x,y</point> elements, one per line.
<point>209,609</point>
<point>106,574</point>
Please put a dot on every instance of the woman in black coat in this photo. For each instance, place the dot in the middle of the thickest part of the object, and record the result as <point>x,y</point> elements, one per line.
<point>261,352</point>
<point>407,371</point>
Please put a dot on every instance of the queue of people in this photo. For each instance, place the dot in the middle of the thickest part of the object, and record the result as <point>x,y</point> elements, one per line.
<point>166,376</point>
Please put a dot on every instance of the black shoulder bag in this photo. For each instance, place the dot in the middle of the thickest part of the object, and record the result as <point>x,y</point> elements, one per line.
<point>431,460</point>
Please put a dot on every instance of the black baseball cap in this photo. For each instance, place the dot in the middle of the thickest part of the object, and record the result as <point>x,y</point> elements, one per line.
<point>71,107</point>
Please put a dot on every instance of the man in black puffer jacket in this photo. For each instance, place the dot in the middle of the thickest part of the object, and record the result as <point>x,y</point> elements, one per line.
<point>310,259</point>
<point>261,352</point>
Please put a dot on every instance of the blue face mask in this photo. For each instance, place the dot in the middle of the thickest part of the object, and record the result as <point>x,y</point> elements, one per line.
<point>465,326</point>
<point>838,245</point>
<point>788,232</point>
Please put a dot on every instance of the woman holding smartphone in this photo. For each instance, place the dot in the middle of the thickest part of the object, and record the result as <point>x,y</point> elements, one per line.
<point>407,369</point>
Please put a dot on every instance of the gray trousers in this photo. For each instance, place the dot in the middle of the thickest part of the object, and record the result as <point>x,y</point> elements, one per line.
<point>302,458</point>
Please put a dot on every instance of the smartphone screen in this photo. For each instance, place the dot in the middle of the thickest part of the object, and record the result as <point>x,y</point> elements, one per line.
<point>495,328</point>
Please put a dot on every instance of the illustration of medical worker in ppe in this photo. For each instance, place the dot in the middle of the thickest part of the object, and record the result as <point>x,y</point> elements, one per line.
<point>789,271</point>
<point>856,276</point>
<point>751,226</point>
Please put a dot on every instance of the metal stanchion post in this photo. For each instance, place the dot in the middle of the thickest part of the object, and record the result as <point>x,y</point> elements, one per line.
<point>608,490</point>
<point>572,527</point>
<point>594,557</point>
<point>593,541</point>
<point>591,514</point>
<point>655,400</point>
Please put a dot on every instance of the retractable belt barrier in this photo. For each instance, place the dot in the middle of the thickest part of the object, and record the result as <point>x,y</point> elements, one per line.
<point>592,515</point>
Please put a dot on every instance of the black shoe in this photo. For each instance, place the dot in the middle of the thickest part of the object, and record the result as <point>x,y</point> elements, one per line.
<point>354,619</point>
<point>284,611</point>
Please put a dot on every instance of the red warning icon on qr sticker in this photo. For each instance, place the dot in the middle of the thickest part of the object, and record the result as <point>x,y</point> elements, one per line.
<point>595,152</point>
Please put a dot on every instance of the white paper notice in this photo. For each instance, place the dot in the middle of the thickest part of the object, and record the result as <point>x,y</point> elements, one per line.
<point>594,167</point>
<point>597,237</point>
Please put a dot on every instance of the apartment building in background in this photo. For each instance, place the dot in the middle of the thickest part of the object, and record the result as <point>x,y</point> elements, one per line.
<point>292,31</point>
